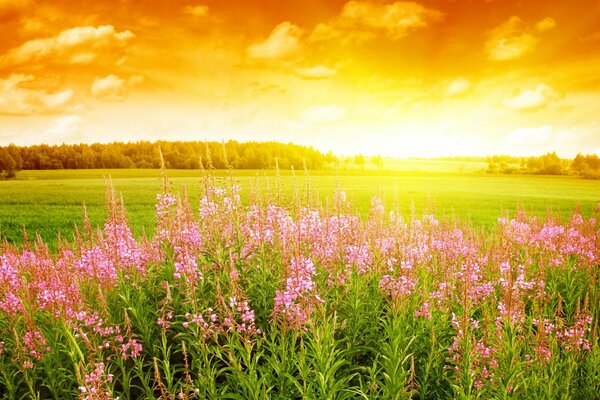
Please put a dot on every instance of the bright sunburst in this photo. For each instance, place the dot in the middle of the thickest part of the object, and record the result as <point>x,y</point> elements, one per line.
<point>427,78</point>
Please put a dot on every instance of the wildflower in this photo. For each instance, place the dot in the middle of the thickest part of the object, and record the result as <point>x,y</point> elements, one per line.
<point>424,311</point>
<point>297,302</point>
<point>132,349</point>
<point>95,384</point>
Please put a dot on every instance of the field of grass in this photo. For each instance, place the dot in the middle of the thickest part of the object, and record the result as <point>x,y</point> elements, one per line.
<point>432,165</point>
<point>50,202</point>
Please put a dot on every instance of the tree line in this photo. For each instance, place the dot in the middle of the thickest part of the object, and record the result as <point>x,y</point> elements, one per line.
<point>177,155</point>
<point>587,166</point>
<point>250,155</point>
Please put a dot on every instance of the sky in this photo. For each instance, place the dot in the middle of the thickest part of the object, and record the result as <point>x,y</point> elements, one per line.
<point>402,79</point>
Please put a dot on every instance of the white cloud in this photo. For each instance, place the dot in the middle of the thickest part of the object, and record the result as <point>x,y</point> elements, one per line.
<point>196,11</point>
<point>110,88</point>
<point>316,72</point>
<point>513,39</point>
<point>19,97</point>
<point>458,87</point>
<point>566,140</point>
<point>323,32</point>
<point>545,24</point>
<point>323,113</point>
<point>67,129</point>
<point>80,45</point>
<point>283,42</point>
<point>58,99</point>
<point>532,99</point>
<point>531,136</point>
<point>509,48</point>
<point>396,19</point>
<point>362,20</point>
<point>314,116</point>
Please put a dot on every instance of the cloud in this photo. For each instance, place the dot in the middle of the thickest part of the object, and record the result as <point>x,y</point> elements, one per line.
<point>458,87</point>
<point>363,20</point>
<point>58,99</point>
<point>110,87</point>
<point>80,45</point>
<point>67,129</point>
<point>136,80</point>
<point>259,89</point>
<point>533,99</point>
<point>196,11</point>
<point>314,116</point>
<point>513,39</point>
<point>321,114</point>
<point>566,140</point>
<point>546,24</point>
<point>510,48</point>
<point>114,88</point>
<point>531,136</point>
<point>316,72</point>
<point>39,21</point>
<point>283,42</point>
<point>20,96</point>
<point>32,25</point>
<point>357,21</point>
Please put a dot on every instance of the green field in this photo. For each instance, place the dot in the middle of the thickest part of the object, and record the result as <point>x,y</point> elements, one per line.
<point>433,165</point>
<point>47,202</point>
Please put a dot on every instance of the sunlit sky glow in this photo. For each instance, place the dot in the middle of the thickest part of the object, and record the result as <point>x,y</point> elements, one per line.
<point>427,78</point>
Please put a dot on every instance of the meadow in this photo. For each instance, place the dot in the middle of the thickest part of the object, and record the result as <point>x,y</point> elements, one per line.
<point>279,297</point>
<point>51,202</point>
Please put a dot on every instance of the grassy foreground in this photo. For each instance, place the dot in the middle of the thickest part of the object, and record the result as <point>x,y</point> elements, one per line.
<point>51,202</point>
<point>288,300</point>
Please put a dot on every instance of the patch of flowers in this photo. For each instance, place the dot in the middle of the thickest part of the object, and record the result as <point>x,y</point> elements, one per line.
<point>220,296</point>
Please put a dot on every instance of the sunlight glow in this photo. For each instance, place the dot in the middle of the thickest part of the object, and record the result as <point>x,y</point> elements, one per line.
<point>396,78</point>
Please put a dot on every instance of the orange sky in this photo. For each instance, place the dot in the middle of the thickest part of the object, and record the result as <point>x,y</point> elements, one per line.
<point>428,78</point>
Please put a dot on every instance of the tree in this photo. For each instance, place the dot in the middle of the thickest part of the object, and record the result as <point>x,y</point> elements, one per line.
<point>185,155</point>
<point>8,165</point>
<point>360,161</point>
<point>15,153</point>
<point>377,161</point>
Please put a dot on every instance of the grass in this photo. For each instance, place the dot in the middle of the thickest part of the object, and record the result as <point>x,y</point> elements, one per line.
<point>428,165</point>
<point>50,202</point>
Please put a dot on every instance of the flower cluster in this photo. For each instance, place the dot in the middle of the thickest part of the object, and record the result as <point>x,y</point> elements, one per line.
<point>297,302</point>
<point>226,271</point>
<point>95,384</point>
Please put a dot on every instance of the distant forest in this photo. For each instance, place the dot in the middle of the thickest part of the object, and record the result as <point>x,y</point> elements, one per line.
<point>177,155</point>
<point>251,155</point>
<point>587,166</point>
